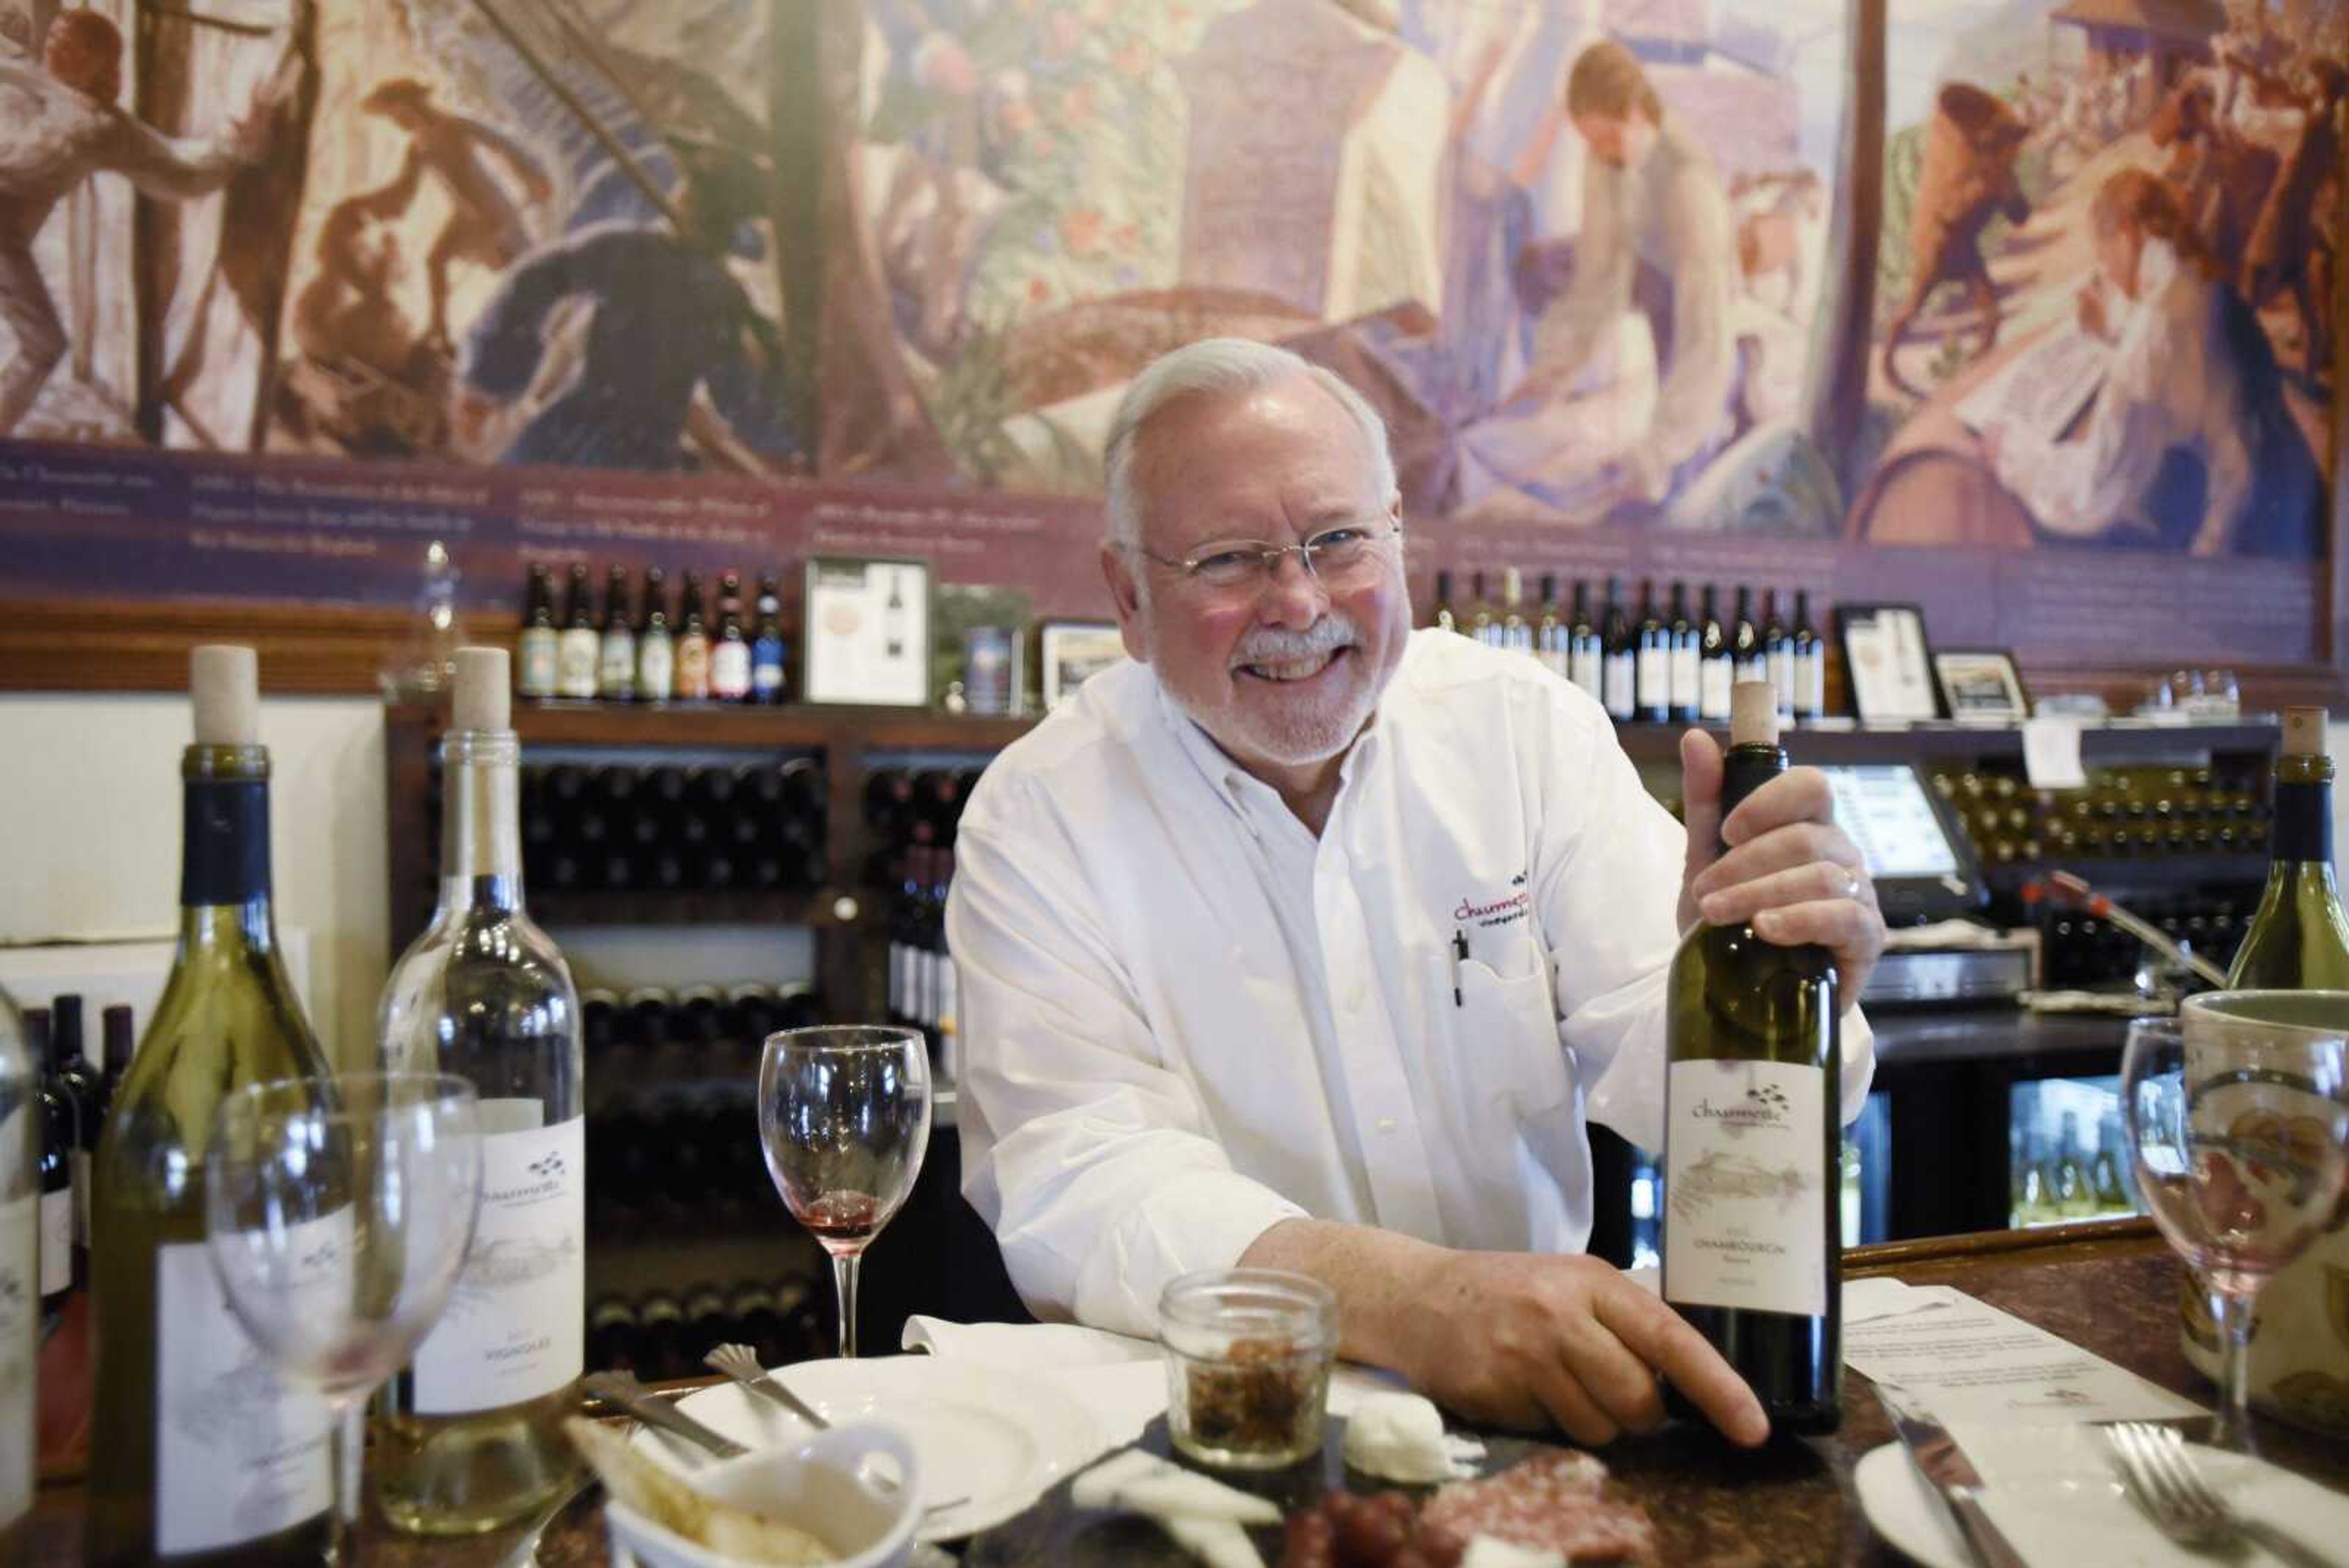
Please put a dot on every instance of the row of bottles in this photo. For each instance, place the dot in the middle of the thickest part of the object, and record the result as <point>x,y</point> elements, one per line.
<point>1661,666</point>
<point>698,1025</point>
<point>921,970</point>
<point>75,1098</point>
<point>2123,811</point>
<point>637,651</point>
<point>2067,1179</point>
<point>2080,952</point>
<point>670,829</point>
<point>662,1334</point>
<point>667,1157</point>
<point>467,1436</point>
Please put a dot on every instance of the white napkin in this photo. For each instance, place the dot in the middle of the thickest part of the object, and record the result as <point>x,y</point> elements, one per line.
<point>1025,1345</point>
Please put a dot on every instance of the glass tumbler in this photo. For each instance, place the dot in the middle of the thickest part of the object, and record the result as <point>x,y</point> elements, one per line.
<point>1247,1365</point>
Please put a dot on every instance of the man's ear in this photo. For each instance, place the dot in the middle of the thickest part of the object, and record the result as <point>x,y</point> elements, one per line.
<point>1126,593</point>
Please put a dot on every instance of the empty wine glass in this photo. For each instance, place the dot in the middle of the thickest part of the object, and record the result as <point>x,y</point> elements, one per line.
<point>338,1213</point>
<point>844,1119</point>
<point>2237,1119</point>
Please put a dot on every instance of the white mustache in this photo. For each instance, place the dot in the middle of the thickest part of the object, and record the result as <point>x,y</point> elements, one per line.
<point>1271,646</point>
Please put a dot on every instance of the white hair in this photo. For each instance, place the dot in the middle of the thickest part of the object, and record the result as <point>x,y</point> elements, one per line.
<point>1220,366</point>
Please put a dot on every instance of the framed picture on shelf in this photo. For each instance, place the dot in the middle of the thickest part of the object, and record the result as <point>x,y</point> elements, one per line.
<point>1888,663</point>
<point>1069,652</point>
<point>867,632</point>
<point>1979,686</point>
<point>980,645</point>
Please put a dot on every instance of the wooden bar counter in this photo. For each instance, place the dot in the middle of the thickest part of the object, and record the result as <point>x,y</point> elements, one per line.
<point>2110,1286</point>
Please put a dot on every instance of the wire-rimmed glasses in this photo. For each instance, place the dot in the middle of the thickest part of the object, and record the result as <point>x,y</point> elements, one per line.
<point>1338,557</point>
<point>844,1121</point>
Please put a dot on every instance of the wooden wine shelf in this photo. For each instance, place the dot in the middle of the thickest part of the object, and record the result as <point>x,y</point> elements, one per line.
<point>737,906</point>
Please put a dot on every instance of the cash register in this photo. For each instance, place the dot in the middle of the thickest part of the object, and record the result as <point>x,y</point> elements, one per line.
<point>1929,884</point>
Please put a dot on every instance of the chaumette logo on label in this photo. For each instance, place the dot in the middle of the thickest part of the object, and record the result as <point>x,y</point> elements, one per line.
<point>1764,1108</point>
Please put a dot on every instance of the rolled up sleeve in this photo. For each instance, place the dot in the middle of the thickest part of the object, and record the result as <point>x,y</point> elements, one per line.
<point>1092,1161</point>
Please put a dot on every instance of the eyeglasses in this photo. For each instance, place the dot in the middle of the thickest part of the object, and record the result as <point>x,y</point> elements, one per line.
<point>1342,558</point>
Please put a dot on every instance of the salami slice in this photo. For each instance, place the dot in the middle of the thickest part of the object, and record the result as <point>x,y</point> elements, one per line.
<point>1554,1503</point>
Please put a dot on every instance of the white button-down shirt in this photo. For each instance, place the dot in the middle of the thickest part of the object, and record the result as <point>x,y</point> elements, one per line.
<point>1185,1018</point>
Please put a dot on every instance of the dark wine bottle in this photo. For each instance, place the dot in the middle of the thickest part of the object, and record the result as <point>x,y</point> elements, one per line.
<point>767,652</point>
<point>1585,654</point>
<point>1621,655</point>
<point>615,670</point>
<point>1746,660</point>
<point>1778,655</point>
<point>1685,638</point>
<point>730,651</point>
<point>580,648</point>
<point>54,1168</point>
<point>69,1063</point>
<point>656,645</point>
<point>1653,703</point>
<point>1753,1242</point>
<point>1716,666</point>
<point>535,667</point>
<point>1810,683</point>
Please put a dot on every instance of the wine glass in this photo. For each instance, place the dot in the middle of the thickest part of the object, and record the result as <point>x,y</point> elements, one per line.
<point>338,1213</point>
<point>2238,1119</point>
<point>844,1119</point>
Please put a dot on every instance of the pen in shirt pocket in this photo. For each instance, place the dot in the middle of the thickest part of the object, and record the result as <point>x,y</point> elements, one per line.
<point>1459,957</point>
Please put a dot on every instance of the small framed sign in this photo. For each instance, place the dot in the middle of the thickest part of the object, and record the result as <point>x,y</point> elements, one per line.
<point>867,632</point>
<point>1069,652</point>
<point>1981,686</point>
<point>1888,663</point>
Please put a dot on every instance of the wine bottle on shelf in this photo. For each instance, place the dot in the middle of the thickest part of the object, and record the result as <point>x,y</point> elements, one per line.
<point>1716,669</point>
<point>1653,703</point>
<point>730,650</point>
<point>59,1128</point>
<point>767,652</point>
<point>1685,638</point>
<point>668,1353</point>
<point>468,1435</point>
<point>692,644</point>
<point>1779,656</point>
<point>614,1336</point>
<point>655,644</point>
<point>1746,656</point>
<point>121,1040</point>
<point>1443,619</point>
<point>616,665</point>
<point>1585,653</point>
<point>69,1065</point>
<point>20,1274</point>
<point>2298,939</point>
<point>1484,625</point>
<point>169,1480</point>
<point>1550,632</point>
<point>759,1323</point>
<point>579,650</point>
<point>540,643</point>
<point>1810,682</point>
<point>1621,657</point>
<point>1752,1149</point>
<point>1515,632</point>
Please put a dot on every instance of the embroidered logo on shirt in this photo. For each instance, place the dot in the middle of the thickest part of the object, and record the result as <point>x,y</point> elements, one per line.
<point>1501,911</point>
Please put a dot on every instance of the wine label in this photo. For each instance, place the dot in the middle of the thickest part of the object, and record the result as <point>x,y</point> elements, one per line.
<point>539,660</point>
<point>692,664</point>
<point>1743,1187</point>
<point>1685,678</point>
<point>656,670</point>
<point>575,661</point>
<point>57,1241</point>
<point>1712,688</point>
<point>20,1314</point>
<point>1619,699</point>
<point>513,1329</point>
<point>1584,663</point>
<point>240,1452</point>
<point>1811,684</point>
<point>1782,679</point>
<point>729,671</point>
<point>1655,678</point>
<point>616,676</point>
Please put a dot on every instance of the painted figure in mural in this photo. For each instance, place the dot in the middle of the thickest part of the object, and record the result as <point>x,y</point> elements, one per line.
<point>2190,445</point>
<point>484,225</point>
<point>2291,248</point>
<point>59,125</point>
<point>2219,177</point>
<point>1658,236</point>
<point>1968,180</point>
<point>674,346</point>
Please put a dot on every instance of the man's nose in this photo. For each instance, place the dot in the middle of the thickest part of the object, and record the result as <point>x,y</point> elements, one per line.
<point>1293,595</point>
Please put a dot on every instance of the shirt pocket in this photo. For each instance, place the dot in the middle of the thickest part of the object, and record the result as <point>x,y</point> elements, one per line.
<point>1505,1043</point>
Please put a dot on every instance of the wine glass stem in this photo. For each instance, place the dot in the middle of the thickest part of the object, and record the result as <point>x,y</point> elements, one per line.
<point>844,1285</point>
<point>346,1443</point>
<point>2232,1312</point>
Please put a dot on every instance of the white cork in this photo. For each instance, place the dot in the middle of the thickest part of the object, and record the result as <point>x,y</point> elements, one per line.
<point>1753,714</point>
<point>481,699</point>
<point>224,684</point>
<point>2304,731</point>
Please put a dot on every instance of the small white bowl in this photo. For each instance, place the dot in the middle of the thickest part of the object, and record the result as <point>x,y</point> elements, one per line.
<point>825,1486</point>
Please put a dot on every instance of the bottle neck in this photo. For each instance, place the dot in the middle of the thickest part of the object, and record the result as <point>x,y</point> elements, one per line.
<point>480,833</point>
<point>2303,824</point>
<point>1745,769</point>
<point>225,827</point>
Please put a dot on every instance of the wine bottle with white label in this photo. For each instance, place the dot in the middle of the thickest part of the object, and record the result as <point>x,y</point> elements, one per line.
<point>202,1454</point>
<point>20,1248</point>
<point>2298,940</point>
<point>469,1436</point>
<point>1753,1143</point>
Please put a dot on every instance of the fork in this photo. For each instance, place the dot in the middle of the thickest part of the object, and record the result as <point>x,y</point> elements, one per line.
<point>741,1364</point>
<point>2170,1487</point>
<point>621,1390</point>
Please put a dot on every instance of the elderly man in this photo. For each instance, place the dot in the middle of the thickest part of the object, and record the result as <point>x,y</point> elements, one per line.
<point>1211,915</point>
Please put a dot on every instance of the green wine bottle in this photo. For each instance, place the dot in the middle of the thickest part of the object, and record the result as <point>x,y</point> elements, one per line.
<point>202,1454</point>
<point>2298,940</point>
<point>1753,1141</point>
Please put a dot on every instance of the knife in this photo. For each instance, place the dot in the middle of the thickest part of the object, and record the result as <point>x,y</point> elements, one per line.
<point>1947,1469</point>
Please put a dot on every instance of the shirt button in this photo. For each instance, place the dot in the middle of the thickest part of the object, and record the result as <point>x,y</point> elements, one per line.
<point>1386,1124</point>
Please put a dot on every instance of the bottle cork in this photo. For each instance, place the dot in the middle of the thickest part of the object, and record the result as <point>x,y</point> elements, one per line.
<point>2304,731</point>
<point>482,701</point>
<point>1753,714</point>
<point>224,684</point>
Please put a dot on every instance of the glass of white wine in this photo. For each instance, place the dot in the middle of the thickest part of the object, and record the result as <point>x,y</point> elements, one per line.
<point>2237,1121</point>
<point>844,1120</point>
<point>338,1213</point>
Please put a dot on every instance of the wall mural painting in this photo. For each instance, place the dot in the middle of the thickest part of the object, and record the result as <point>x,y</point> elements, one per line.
<point>1900,289</point>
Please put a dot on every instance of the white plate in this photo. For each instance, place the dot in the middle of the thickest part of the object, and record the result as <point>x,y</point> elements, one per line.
<point>1000,1439</point>
<point>2062,1503</point>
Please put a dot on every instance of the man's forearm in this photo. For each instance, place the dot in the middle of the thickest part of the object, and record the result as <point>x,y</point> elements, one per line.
<point>1378,1276</point>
